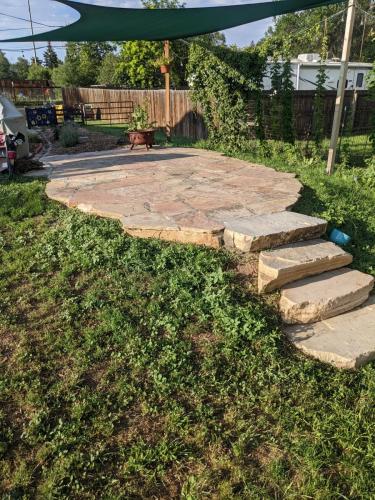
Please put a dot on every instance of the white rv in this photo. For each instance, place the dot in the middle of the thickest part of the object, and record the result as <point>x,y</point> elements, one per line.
<point>305,72</point>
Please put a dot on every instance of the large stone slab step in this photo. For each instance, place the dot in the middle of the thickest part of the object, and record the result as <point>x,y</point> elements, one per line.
<point>298,260</point>
<point>262,232</point>
<point>346,341</point>
<point>324,296</point>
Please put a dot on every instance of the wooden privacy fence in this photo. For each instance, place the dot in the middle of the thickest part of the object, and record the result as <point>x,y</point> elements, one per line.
<point>356,119</point>
<point>188,121</point>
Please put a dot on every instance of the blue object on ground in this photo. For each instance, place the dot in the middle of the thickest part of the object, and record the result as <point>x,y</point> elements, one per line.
<point>339,237</point>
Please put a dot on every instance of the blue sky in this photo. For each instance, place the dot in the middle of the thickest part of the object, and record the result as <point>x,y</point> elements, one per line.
<point>53,13</point>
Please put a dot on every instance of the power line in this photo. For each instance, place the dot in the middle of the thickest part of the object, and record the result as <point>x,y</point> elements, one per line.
<point>37,48</point>
<point>28,20</point>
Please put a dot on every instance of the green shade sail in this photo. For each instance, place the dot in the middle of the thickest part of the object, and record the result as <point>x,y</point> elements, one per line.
<point>99,23</point>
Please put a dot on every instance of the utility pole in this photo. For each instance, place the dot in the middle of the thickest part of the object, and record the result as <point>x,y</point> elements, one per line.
<point>341,87</point>
<point>167,92</point>
<point>32,30</point>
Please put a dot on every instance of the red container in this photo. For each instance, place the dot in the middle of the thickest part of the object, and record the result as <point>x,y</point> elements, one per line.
<point>12,155</point>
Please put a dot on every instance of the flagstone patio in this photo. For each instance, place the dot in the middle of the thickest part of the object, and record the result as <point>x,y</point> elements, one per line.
<point>179,194</point>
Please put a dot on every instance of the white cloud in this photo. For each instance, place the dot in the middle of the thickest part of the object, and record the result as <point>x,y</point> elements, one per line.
<point>53,13</point>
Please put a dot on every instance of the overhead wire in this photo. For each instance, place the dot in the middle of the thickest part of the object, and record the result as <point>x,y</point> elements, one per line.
<point>28,20</point>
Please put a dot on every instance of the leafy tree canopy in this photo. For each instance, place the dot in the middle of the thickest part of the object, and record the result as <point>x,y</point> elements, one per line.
<point>303,32</point>
<point>38,72</point>
<point>82,63</point>
<point>20,69</point>
<point>137,59</point>
<point>108,72</point>
<point>136,66</point>
<point>4,66</point>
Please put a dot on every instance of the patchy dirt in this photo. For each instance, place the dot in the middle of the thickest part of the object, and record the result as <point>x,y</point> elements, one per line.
<point>89,141</point>
<point>27,164</point>
<point>247,270</point>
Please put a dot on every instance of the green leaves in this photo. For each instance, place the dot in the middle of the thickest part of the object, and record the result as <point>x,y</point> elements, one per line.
<point>135,368</point>
<point>222,80</point>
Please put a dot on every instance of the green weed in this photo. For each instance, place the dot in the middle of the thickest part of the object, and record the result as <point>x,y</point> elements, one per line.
<point>135,368</point>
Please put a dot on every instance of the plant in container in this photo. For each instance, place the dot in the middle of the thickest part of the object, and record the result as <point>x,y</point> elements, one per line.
<point>140,130</point>
<point>164,63</point>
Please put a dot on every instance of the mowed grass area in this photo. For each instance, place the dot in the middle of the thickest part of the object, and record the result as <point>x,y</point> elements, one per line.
<point>140,369</point>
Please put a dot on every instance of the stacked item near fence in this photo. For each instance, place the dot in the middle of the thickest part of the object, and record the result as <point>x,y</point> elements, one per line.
<point>41,116</point>
<point>51,115</point>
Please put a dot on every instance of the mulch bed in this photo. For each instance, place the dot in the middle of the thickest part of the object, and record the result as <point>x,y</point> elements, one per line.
<point>91,141</point>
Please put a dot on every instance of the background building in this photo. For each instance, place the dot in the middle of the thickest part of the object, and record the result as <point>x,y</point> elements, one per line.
<point>305,71</point>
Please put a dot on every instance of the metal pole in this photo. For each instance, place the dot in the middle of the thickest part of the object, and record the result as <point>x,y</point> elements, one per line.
<point>167,93</point>
<point>32,30</point>
<point>341,86</point>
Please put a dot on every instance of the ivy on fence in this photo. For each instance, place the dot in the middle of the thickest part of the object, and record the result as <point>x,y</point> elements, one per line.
<point>223,80</point>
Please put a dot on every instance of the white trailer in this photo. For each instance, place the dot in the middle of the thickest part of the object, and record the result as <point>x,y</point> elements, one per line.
<point>305,72</point>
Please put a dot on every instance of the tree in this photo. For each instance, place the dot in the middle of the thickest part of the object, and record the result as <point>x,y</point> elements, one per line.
<point>82,63</point>
<point>20,69</point>
<point>304,32</point>
<point>50,57</point>
<point>5,71</point>
<point>136,66</point>
<point>63,75</point>
<point>108,72</point>
<point>38,72</point>
<point>137,59</point>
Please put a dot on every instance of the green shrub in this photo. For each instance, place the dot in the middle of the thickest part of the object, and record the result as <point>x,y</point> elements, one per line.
<point>69,136</point>
<point>34,137</point>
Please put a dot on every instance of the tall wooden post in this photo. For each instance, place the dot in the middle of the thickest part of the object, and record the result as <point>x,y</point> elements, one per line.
<point>341,87</point>
<point>32,31</point>
<point>167,93</point>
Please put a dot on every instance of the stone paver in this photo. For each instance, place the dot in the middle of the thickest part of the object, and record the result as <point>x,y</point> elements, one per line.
<point>346,341</point>
<point>324,296</point>
<point>270,230</point>
<point>179,194</point>
<point>298,260</point>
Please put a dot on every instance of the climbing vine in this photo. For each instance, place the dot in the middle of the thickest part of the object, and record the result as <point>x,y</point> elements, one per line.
<point>371,86</point>
<point>287,91</point>
<point>281,100</point>
<point>318,117</point>
<point>223,81</point>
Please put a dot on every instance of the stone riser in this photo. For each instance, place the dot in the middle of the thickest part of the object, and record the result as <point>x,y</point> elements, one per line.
<point>324,296</point>
<point>346,341</point>
<point>294,262</point>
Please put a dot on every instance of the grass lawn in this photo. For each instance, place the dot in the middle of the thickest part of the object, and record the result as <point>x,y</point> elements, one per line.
<point>141,369</point>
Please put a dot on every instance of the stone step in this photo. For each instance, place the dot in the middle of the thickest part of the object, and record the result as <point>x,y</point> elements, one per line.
<point>346,341</point>
<point>324,296</point>
<point>298,260</point>
<point>262,232</point>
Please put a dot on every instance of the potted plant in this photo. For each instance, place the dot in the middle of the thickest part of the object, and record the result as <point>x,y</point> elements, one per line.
<point>140,131</point>
<point>164,63</point>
